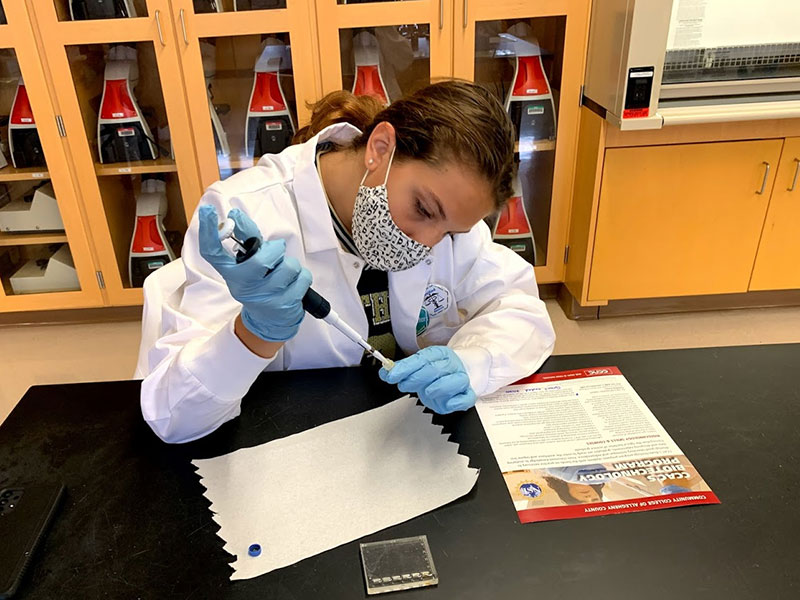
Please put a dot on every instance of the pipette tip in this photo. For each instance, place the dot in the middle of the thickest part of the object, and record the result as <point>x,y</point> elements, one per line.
<point>387,363</point>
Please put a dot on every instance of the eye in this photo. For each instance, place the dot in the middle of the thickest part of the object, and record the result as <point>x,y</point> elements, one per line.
<point>421,209</point>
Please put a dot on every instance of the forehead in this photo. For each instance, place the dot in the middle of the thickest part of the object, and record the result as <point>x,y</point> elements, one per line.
<point>466,196</point>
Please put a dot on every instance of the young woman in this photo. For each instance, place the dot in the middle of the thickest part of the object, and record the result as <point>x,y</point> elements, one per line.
<point>383,209</point>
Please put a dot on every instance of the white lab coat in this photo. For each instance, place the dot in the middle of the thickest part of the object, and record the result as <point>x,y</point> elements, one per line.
<point>196,370</point>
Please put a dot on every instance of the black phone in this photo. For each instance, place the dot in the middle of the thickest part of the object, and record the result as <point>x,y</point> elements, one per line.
<point>25,515</point>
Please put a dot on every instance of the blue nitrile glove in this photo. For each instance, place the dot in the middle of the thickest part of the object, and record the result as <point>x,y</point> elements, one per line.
<point>437,376</point>
<point>271,306</point>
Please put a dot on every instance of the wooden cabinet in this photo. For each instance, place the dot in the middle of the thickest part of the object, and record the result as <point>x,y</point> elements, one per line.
<point>80,55</point>
<point>192,68</point>
<point>411,40</point>
<point>686,211</point>
<point>777,266</point>
<point>681,220</point>
<point>494,42</point>
<point>40,172</point>
<point>420,41</point>
<point>219,48</point>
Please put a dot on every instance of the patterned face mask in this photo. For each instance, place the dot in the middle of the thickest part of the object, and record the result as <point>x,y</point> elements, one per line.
<point>382,244</point>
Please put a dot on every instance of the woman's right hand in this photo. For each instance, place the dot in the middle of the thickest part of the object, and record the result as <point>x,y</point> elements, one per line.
<point>269,285</point>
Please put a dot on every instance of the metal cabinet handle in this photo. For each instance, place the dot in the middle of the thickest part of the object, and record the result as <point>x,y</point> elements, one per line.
<point>441,15</point>
<point>466,8</point>
<point>183,27</point>
<point>796,173</point>
<point>158,25</point>
<point>766,176</point>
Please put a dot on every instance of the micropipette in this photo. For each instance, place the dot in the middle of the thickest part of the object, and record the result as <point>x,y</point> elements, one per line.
<point>313,303</point>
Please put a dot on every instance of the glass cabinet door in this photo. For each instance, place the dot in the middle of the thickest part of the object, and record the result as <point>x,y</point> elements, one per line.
<point>531,58</point>
<point>125,119</point>
<point>45,261</point>
<point>250,75</point>
<point>385,49</point>
<point>90,10</point>
<point>218,6</point>
<point>251,97</point>
<point>385,62</point>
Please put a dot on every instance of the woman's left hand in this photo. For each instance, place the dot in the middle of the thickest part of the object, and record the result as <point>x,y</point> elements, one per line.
<point>437,375</point>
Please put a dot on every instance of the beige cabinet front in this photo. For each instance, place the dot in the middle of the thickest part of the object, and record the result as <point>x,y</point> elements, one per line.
<point>681,220</point>
<point>778,263</point>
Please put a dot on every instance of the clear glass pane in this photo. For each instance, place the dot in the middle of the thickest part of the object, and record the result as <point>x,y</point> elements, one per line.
<point>212,6</point>
<point>34,255</point>
<point>251,97</point>
<point>20,138</point>
<point>385,62</point>
<point>521,61</point>
<point>732,63</point>
<point>28,207</point>
<point>121,100</point>
<point>82,10</point>
<point>147,222</point>
<point>37,269</point>
<point>732,41</point>
<point>119,92</point>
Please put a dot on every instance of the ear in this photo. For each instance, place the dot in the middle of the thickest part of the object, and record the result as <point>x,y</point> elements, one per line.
<point>380,144</point>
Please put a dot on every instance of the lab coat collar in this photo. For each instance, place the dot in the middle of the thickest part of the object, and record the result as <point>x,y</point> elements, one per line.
<point>312,208</point>
<point>318,235</point>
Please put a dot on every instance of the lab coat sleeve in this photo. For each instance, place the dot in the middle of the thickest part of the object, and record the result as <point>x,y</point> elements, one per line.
<point>507,333</point>
<point>198,370</point>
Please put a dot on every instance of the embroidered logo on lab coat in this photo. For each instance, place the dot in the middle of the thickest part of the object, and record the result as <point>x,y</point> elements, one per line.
<point>434,303</point>
<point>436,300</point>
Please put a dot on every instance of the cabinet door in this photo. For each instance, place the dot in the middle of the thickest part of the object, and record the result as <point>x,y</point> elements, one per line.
<point>250,71</point>
<point>531,54</point>
<point>45,259</point>
<point>384,48</point>
<point>118,85</point>
<point>681,220</point>
<point>778,262</point>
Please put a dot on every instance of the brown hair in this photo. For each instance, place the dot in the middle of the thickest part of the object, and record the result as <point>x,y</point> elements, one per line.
<point>451,120</point>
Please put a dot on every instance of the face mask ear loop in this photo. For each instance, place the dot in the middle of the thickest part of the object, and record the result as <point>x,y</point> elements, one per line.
<point>385,179</point>
<point>388,168</point>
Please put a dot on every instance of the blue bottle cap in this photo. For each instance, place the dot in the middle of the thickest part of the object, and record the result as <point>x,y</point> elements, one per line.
<point>254,550</point>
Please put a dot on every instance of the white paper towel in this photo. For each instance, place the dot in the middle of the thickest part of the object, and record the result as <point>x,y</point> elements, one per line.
<point>303,494</point>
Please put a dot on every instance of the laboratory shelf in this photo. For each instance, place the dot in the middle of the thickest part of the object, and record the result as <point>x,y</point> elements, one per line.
<point>10,173</point>
<point>140,167</point>
<point>27,239</point>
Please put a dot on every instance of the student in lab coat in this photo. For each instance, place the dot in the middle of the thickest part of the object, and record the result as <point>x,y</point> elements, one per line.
<point>383,209</point>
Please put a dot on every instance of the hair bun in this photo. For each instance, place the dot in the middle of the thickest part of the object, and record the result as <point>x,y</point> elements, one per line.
<point>339,107</point>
